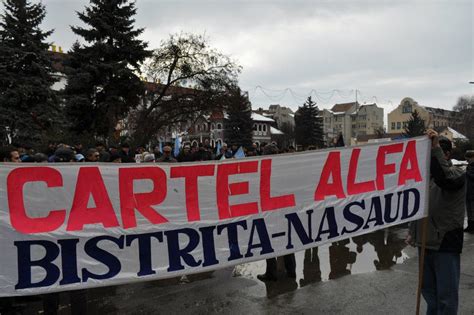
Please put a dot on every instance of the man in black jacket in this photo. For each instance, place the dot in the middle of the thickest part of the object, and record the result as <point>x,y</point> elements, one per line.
<point>126,155</point>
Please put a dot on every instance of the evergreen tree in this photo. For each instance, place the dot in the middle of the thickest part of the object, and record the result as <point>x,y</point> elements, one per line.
<point>29,108</point>
<point>308,125</point>
<point>239,125</point>
<point>415,126</point>
<point>102,82</point>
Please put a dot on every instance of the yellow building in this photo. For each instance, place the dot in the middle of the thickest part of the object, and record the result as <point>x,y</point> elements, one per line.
<point>433,117</point>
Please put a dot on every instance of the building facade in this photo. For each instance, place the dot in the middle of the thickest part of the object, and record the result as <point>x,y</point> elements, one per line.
<point>434,117</point>
<point>211,128</point>
<point>367,120</point>
<point>351,120</point>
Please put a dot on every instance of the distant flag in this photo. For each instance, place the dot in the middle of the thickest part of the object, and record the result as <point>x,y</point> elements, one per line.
<point>218,148</point>
<point>240,153</point>
<point>177,146</point>
<point>160,147</point>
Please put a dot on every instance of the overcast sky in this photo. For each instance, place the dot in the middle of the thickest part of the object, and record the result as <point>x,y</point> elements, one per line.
<point>386,49</point>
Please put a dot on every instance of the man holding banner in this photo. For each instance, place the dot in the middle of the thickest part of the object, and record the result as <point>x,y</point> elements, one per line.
<point>443,230</point>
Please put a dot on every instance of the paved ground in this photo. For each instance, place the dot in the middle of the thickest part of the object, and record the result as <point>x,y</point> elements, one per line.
<point>321,287</point>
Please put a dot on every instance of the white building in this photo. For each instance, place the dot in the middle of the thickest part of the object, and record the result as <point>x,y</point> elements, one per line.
<point>351,120</point>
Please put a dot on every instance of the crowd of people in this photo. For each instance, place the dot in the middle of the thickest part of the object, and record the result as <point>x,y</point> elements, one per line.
<point>162,153</point>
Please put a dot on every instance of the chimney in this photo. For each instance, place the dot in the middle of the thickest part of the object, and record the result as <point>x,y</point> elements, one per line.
<point>53,48</point>
<point>60,49</point>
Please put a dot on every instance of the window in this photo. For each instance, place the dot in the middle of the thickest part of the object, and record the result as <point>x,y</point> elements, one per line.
<point>406,108</point>
<point>405,124</point>
<point>259,127</point>
<point>213,126</point>
<point>219,126</point>
<point>399,125</point>
<point>204,127</point>
<point>264,128</point>
<point>393,126</point>
<point>255,127</point>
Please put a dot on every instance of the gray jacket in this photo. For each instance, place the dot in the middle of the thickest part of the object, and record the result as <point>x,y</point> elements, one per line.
<point>446,201</point>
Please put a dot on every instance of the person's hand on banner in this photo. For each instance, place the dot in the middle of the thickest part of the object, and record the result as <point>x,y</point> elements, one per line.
<point>433,135</point>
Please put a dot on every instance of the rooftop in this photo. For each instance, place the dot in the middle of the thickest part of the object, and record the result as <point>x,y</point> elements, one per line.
<point>258,117</point>
<point>343,107</point>
<point>275,131</point>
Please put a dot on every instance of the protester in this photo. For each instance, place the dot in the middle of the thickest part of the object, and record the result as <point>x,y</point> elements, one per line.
<point>444,235</point>
<point>289,260</point>
<point>148,158</point>
<point>202,154</point>
<point>222,152</point>
<point>40,158</point>
<point>11,155</point>
<point>470,191</point>
<point>64,154</point>
<point>228,153</point>
<point>256,149</point>
<point>185,154</point>
<point>78,147</point>
<point>157,152</point>
<point>115,158</point>
<point>92,155</point>
<point>113,150</point>
<point>51,148</point>
<point>166,157</point>
<point>104,156</point>
<point>126,154</point>
<point>80,158</point>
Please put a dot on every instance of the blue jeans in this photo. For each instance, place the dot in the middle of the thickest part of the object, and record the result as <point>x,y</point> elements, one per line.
<point>441,282</point>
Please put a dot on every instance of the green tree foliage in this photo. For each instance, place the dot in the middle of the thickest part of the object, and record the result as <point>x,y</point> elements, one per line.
<point>29,108</point>
<point>103,85</point>
<point>415,126</point>
<point>239,125</point>
<point>308,125</point>
<point>288,137</point>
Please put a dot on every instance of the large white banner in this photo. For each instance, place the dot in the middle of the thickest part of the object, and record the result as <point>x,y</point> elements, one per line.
<point>72,226</point>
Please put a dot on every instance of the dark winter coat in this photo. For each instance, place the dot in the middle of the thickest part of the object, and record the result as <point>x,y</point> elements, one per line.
<point>470,188</point>
<point>446,206</point>
<point>127,158</point>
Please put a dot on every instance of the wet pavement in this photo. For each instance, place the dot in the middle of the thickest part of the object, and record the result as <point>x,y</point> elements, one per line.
<point>373,273</point>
